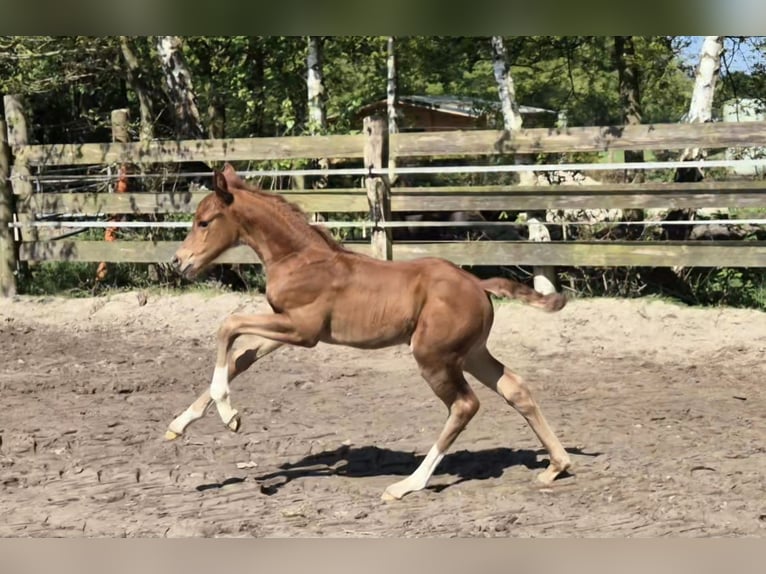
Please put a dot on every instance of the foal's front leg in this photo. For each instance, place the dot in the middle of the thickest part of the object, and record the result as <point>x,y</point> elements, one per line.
<point>276,328</point>
<point>239,361</point>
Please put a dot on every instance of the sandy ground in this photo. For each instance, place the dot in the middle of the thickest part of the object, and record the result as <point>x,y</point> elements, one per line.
<point>661,406</point>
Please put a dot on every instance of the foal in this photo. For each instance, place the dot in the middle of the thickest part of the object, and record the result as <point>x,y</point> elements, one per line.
<point>320,291</point>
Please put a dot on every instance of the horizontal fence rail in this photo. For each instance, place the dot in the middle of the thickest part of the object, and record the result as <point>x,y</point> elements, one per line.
<point>438,198</point>
<point>593,253</point>
<point>433,144</point>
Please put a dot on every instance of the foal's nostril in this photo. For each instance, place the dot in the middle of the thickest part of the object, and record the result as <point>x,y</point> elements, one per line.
<point>176,262</point>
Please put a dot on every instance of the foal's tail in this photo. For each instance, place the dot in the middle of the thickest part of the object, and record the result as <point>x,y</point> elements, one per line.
<point>515,290</point>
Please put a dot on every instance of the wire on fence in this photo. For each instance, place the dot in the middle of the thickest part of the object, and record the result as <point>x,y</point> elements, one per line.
<point>447,169</point>
<point>387,224</point>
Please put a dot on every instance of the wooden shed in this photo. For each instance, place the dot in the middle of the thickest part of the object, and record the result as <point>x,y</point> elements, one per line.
<point>440,113</point>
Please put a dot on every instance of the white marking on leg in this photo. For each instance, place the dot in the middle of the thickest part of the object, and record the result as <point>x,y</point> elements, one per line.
<point>219,387</point>
<point>418,480</point>
<point>185,419</point>
<point>195,411</point>
<point>219,392</point>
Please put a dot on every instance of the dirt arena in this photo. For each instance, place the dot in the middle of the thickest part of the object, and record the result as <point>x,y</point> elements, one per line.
<point>661,406</point>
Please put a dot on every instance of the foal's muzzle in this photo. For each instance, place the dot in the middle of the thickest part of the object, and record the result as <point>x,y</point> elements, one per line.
<point>185,269</point>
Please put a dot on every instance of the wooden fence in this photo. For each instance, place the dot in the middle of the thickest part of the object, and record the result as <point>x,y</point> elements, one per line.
<point>20,205</point>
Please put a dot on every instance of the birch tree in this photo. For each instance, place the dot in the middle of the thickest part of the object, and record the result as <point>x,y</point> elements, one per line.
<point>391,87</point>
<point>701,105</point>
<point>505,87</point>
<point>317,115</point>
<point>315,84</point>
<point>700,111</point>
<point>544,276</point>
<point>180,89</point>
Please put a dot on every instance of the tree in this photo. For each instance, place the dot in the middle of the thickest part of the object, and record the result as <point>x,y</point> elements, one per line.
<point>317,115</point>
<point>628,75</point>
<point>392,94</point>
<point>700,111</point>
<point>701,104</point>
<point>137,82</point>
<point>505,87</point>
<point>180,89</point>
<point>315,83</point>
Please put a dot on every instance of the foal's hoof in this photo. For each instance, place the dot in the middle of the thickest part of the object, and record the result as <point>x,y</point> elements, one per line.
<point>547,476</point>
<point>235,423</point>
<point>170,435</point>
<point>388,497</point>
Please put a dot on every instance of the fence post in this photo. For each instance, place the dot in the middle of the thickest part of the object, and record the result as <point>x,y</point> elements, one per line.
<point>18,135</point>
<point>378,189</point>
<point>7,244</point>
<point>120,134</point>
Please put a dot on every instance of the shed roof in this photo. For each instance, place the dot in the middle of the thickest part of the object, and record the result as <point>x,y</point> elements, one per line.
<point>455,105</point>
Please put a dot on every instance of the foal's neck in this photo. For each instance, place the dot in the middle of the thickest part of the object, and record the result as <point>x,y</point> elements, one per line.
<point>273,228</point>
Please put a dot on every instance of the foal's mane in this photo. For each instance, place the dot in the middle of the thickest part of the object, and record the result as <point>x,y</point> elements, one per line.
<point>293,213</point>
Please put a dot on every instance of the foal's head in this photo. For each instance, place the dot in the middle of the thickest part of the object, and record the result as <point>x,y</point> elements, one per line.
<point>214,228</point>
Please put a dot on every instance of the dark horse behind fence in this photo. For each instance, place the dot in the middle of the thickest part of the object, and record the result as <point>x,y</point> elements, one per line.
<point>320,291</point>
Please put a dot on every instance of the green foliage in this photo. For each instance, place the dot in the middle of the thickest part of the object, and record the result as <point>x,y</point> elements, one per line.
<point>733,287</point>
<point>76,81</point>
<point>71,278</point>
<point>730,287</point>
<point>77,279</point>
<point>72,82</point>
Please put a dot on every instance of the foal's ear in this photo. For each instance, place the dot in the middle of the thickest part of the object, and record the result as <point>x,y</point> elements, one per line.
<point>221,188</point>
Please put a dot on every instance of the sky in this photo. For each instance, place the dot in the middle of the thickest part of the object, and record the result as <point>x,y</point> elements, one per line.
<point>740,60</point>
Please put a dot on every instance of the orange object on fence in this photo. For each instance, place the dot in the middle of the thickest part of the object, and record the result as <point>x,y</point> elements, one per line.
<point>111,232</point>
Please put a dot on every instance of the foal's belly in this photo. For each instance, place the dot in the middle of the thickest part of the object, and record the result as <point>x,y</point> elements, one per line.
<point>370,326</point>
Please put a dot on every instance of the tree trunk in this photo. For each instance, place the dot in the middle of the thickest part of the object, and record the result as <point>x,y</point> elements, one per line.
<point>700,111</point>
<point>138,85</point>
<point>315,83</point>
<point>392,95</point>
<point>216,118</point>
<point>179,87</point>
<point>505,86</point>
<point>544,277</point>
<point>256,56</point>
<point>317,123</point>
<point>701,105</point>
<point>628,80</point>
<point>630,96</point>
<point>7,206</point>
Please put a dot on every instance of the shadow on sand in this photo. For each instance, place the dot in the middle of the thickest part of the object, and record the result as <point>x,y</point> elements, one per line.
<point>374,461</point>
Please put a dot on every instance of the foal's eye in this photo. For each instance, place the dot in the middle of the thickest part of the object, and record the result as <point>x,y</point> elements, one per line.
<point>202,224</point>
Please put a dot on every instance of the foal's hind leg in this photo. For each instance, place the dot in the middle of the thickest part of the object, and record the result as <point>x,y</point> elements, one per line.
<point>482,365</point>
<point>451,387</point>
<point>240,360</point>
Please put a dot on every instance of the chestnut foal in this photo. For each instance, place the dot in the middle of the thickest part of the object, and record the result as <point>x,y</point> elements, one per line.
<point>320,291</point>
